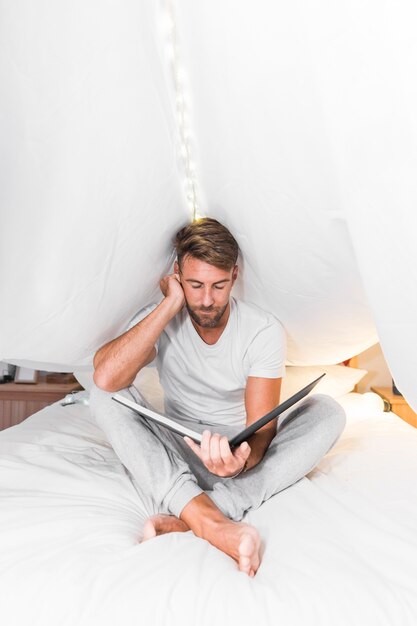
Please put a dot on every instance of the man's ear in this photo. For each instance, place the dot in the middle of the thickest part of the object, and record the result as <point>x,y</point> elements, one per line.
<point>235,273</point>
<point>176,268</point>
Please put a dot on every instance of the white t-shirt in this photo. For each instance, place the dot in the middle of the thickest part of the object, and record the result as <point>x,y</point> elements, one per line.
<point>207,382</point>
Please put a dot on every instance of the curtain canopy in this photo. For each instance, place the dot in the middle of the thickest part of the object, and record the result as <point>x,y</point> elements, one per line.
<point>292,123</point>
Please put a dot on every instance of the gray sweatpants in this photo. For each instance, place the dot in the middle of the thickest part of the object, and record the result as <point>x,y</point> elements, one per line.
<point>168,474</point>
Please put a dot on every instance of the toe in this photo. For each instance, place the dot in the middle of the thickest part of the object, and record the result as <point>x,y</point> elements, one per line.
<point>249,553</point>
<point>149,530</point>
<point>245,564</point>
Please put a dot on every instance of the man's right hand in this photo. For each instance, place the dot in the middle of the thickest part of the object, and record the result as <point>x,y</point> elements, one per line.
<point>136,347</point>
<point>171,288</point>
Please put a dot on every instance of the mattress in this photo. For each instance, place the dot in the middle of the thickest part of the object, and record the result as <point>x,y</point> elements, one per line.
<point>338,547</point>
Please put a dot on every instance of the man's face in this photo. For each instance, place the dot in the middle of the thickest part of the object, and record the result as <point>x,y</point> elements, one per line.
<point>207,290</point>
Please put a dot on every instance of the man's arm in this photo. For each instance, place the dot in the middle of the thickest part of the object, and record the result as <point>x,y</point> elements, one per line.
<point>261,396</point>
<point>118,361</point>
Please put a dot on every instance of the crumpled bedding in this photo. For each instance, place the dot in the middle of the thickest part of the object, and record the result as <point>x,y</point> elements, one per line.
<point>339,546</point>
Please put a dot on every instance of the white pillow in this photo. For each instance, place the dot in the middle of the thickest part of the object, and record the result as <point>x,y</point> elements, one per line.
<point>85,378</point>
<point>147,381</point>
<point>338,381</point>
<point>360,406</point>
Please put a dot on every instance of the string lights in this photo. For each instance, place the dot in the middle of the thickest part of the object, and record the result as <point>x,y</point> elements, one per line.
<point>178,74</point>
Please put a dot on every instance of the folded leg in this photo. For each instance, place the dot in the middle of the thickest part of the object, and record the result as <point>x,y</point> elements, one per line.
<point>149,452</point>
<point>296,449</point>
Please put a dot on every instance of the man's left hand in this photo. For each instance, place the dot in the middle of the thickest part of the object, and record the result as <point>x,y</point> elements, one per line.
<point>217,456</point>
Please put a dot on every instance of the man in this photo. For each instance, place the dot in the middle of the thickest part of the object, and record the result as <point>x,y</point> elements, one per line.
<point>220,363</point>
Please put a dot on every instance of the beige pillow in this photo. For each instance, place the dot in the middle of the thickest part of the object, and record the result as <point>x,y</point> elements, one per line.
<point>339,380</point>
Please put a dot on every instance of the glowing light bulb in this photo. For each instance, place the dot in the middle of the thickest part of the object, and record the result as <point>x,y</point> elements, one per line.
<point>168,24</point>
<point>180,81</point>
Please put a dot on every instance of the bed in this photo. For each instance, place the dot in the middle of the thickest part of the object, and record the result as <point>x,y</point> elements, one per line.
<point>339,546</point>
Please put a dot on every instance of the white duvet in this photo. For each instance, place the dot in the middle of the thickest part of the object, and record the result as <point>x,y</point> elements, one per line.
<point>339,546</point>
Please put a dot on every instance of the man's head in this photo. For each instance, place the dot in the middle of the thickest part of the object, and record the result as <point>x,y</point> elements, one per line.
<point>206,262</point>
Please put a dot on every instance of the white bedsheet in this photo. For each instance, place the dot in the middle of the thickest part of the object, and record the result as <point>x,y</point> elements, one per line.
<point>340,546</point>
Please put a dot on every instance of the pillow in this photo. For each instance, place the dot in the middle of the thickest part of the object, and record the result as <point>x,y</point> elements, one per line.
<point>146,381</point>
<point>338,381</point>
<point>85,378</point>
<point>360,406</point>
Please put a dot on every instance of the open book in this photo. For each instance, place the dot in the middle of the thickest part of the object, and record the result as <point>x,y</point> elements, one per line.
<point>197,437</point>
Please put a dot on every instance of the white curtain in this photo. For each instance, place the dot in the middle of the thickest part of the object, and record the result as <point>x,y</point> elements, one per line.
<point>301,124</point>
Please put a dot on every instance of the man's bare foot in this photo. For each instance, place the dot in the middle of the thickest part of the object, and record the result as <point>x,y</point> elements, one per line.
<point>161,524</point>
<point>240,541</point>
<point>249,550</point>
<point>237,539</point>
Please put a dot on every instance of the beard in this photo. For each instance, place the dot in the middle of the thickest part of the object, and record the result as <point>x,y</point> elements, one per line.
<point>207,318</point>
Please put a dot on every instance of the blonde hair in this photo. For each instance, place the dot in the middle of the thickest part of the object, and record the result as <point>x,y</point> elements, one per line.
<point>207,240</point>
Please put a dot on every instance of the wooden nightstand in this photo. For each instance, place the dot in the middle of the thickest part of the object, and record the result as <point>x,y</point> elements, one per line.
<point>19,400</point>
<point>396,404</point>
